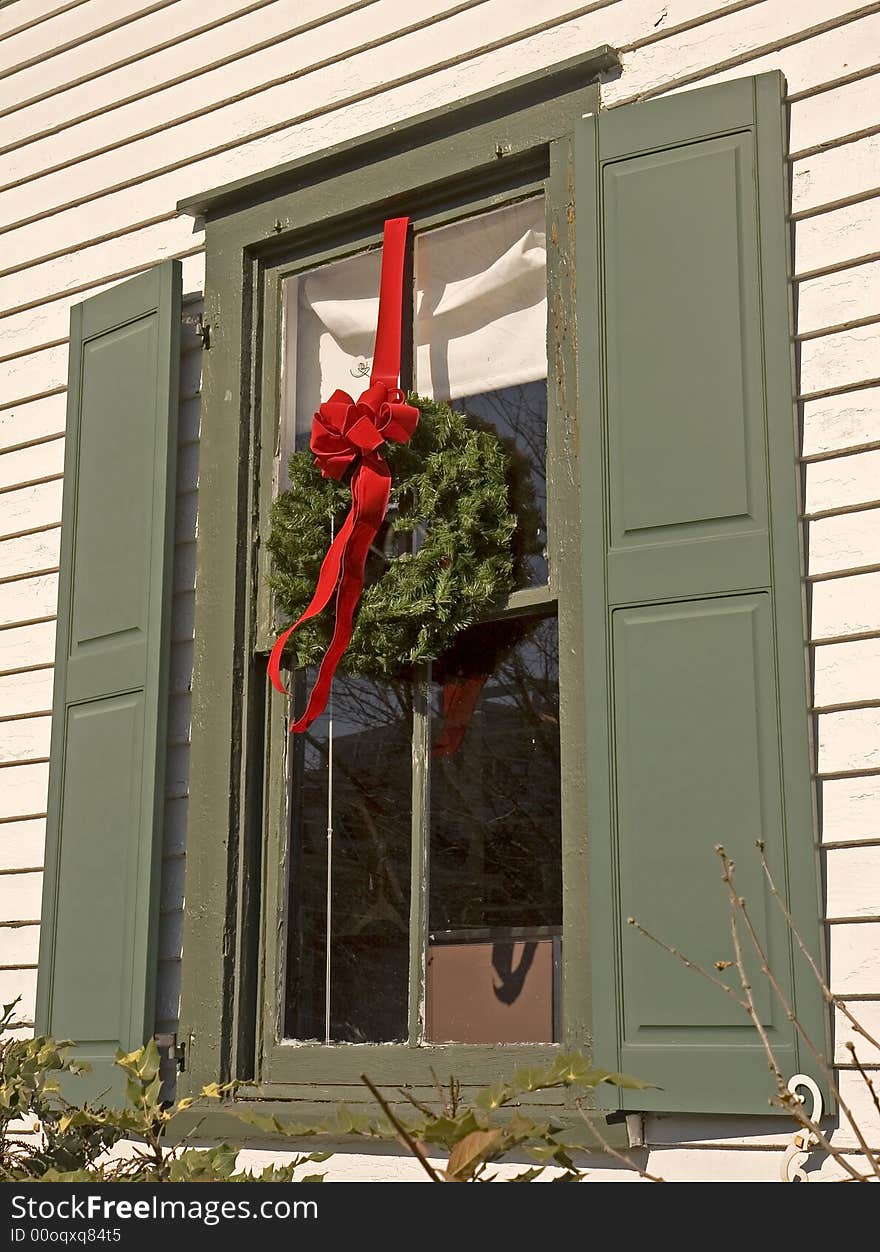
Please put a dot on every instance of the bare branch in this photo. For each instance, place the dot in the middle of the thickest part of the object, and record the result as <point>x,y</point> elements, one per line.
<point>618,1156</point>
<point>402,1131</point>
<point>686,961</point>
<point>828,994</point>
<point>786,1098</point>
<point>851,1048</point>
<point>738,904</point>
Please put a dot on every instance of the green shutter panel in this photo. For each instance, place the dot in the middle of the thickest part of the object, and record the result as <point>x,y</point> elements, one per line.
<point>103,842</point>
<point>697,724</point>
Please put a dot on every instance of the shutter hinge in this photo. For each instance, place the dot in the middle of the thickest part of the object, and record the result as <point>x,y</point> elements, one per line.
<point>171,1050</point>
<point>200,327</point>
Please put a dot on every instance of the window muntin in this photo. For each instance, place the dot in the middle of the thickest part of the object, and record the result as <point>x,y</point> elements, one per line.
<point>350,865</point>
<point>479,293</point>
<point>480,341</point>
<point>494,861</point>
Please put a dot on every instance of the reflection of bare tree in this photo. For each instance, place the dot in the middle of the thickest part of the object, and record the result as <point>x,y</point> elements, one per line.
<point>495,804</point>
<point>519,415</point>
<point>494,828</point>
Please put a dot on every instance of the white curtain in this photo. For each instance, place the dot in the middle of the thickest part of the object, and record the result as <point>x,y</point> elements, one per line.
<point>481,303</point>
<point>480,318</point>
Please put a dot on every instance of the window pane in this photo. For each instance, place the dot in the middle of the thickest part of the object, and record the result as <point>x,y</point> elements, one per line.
<point>519,415</point>
<point>481,303</point>
<point>329,334</point>
<point>495,909</point>
<point>367,804</point>
<point>481,342</point>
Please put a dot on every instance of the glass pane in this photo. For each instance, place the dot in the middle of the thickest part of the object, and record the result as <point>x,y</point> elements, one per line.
<point>351,797</point>
<point>519,415</point>
<point>481,343</point>
<point>481,303</point>
<point>495,907</point>
<point>329,334</point>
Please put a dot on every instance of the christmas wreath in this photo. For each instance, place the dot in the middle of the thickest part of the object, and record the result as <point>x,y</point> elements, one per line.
<point>460,524</point>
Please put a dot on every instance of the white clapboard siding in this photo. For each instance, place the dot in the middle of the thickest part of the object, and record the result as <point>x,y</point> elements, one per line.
<point>109,114</point>
<point>837,236</point>
<point>840,360</point>
<point>427,71</point>
<point>25,739</point>
<point>33,464</point>
<point>849,741</point>
<point>839,422</point>
<point>298,45</point>
<point>845,295</point>
<point>867,1014</point>
<point>36,321</point>
<point>20,557</point>
<point>22,843</point>
<point>180,684</point>
<point>20,896</point>
<point>845,673</point>
<point>843,482</point>
<point>17,17</point>
<point>850,809</point>
<point>31,423</point>
<point>853,875</point>
<point>74,273</point>
<point>76,38</point>
<point>156,69</point>
<point>24,646</point>
<point>27,693</point>
<point>19,946</point>
<point>845,542</point>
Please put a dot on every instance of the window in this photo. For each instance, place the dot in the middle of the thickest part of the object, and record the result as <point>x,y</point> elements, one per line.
<point>489,829</point>
<point>644,685</point>
<point>399,797</point>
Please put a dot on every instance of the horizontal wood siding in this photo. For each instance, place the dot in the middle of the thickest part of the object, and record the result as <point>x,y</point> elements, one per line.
<point>109,114</point>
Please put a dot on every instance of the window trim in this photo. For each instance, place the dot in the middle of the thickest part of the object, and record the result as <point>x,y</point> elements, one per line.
<point>257,231</point>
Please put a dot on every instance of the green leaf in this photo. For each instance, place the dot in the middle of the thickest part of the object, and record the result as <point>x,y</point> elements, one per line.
<point>470,1152</point>
<point>449,1130</point>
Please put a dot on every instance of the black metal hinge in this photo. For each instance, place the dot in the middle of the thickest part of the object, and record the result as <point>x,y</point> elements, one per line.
<point>171,1050</point>
<point>200,327</point>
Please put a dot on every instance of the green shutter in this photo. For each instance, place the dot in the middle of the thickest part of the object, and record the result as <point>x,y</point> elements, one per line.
<point>103,843</point>
<point>697,724</point>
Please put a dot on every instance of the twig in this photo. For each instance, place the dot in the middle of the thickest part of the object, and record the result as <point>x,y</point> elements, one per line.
<point>786,1098</point>
<point>828,994</point>
<point>619,1156</point>
<point>738,903</point>
<point>417,1104</point>
<point>686,961</point>
<point>851,1048</point>
<point>401,1130</point>
<point>751,1008</point>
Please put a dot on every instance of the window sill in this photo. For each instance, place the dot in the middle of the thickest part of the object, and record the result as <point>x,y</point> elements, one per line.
<point>206,1121</point>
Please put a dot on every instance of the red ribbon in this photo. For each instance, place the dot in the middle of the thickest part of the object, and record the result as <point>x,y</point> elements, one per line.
<point>346,433</point>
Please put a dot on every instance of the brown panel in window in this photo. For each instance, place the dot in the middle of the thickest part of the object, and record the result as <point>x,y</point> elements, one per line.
<point>501,992</point>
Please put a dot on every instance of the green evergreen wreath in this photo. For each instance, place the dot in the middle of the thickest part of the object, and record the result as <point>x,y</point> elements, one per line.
<point>458,494</point>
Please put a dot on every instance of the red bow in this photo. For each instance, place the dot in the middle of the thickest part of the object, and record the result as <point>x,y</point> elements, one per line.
<point>342,430</point>
<point>346,433</point>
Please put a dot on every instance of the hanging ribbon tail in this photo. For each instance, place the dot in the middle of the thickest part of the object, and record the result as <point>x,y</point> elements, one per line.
<point>460,696</point>
<point>349,433</point>
<point>371,489</point>
<point>327,580</point>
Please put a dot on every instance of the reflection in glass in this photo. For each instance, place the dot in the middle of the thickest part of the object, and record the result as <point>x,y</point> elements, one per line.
<point>367,804</point>
<point>481,303</point>
<point>495,907</point>
<point>518,415</point>
<point>480,333</point>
